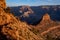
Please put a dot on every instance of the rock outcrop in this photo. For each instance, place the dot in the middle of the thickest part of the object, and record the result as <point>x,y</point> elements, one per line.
<point>26,10</point>
<point>46,17</point>
<point>2,4</point>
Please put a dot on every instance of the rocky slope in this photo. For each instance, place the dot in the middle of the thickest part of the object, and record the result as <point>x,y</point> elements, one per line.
<point>12,28</point>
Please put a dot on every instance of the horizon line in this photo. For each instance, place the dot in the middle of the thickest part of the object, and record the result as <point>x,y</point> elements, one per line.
<point>31,5</point>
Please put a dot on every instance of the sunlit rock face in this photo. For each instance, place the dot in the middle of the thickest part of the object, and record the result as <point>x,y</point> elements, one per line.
<point>4,18</point>
<point>26,10</point>
<point>46,17</point>
<point>2,4</point>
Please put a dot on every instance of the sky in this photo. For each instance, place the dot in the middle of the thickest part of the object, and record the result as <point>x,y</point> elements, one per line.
<point>32,2</point>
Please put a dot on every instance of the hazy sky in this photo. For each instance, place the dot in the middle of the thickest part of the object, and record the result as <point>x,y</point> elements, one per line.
<point>32,2</point>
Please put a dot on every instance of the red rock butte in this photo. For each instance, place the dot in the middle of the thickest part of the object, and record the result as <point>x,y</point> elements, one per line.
<point>46,17</point>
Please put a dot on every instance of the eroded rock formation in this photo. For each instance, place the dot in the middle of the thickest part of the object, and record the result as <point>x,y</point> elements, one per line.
<point>48,29</point>
<point>46,17</point>
<point>26,10</point>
